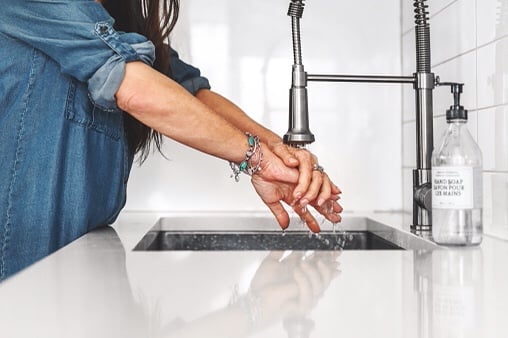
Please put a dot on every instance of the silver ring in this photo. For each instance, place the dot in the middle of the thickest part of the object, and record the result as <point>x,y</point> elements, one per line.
<point>318,168</point>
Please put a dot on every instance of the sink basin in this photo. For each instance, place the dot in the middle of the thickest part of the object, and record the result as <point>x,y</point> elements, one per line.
<point>264,240</point>
<point>250,232</point>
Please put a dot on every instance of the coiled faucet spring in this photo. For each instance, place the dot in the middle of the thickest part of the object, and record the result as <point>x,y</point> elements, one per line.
<point>296,8</point>
<point>422,36</point>
<point>295,11</point>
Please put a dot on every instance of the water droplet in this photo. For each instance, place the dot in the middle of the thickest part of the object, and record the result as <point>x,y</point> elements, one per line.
<point>283,232</point>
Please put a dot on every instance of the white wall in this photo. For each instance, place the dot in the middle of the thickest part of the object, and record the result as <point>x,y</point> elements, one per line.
<point>244,48</point>
<point>469,44</point>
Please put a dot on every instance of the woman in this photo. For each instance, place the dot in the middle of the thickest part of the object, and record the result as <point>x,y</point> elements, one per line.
<point>82,93</point>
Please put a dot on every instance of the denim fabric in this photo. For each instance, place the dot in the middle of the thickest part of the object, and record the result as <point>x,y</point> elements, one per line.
<point>186,75</point>
<point>64,160</point>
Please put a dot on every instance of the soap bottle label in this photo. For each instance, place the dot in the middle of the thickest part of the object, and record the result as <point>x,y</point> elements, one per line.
<point>452,187</point>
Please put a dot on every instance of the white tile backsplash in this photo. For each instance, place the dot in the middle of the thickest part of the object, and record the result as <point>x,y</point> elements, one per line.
<point>407,182</point>
<point>453,30</point>
<point>493,74</point>
<point>409,52</point>
<point>407,20</point>
<point>461,69</point>
<point>435,6</point>
<point>492,20</point>
<point>495,206</point>
<point>493,138</point>
<point>409,144</point>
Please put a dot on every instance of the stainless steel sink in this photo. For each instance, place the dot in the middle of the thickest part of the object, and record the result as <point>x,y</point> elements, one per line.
<point>250,232</point>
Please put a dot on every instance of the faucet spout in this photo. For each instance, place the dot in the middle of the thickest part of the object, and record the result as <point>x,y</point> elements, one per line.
<point>298,134</point>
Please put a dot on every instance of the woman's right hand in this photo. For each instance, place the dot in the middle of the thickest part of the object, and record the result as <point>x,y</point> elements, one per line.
<point>313,184</point>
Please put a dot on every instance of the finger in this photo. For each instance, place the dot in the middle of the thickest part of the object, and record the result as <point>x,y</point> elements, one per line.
<point>307,218</point>
<point>280,214</point>
<point>305,160</point>
<point>314,278</point>
<point>304,288</point>
<point>330,210</point>
<point>329,207</point>
<point>326,190</point>
<point>314,188</point>
<point>283,152</point>
<point>328,272</point>
<point>294,256</point>
<point>335,189</point>
<point>337,207</point>
<point>334,214</point>
<point>274,256</point>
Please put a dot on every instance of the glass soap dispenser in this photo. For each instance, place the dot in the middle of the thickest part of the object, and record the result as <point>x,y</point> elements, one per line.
<point>457,181</point>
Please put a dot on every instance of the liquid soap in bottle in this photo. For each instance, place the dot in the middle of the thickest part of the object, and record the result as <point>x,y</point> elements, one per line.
<point>457,181</point>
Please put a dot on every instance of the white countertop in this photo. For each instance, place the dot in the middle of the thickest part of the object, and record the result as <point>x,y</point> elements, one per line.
<point>99,287</point>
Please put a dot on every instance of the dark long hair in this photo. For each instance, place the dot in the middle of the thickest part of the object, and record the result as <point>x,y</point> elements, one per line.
<point>155,20</point>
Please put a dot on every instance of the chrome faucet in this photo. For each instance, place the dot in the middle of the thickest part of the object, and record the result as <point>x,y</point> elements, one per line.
<point>423,81</point>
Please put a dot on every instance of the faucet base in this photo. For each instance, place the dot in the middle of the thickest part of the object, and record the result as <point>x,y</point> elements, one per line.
<point>422,200</point>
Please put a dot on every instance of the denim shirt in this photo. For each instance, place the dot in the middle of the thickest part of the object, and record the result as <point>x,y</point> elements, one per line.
<point>64,160</point>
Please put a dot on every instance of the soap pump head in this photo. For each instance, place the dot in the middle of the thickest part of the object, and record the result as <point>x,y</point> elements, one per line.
<point>456,112</point>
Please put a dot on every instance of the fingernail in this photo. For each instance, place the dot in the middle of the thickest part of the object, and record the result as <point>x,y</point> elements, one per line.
<point>298,195</point>
<point>320,202</point>
<point>304,202</point>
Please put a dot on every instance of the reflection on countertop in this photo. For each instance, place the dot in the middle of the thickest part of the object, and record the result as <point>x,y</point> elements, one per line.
<point>99,287</point>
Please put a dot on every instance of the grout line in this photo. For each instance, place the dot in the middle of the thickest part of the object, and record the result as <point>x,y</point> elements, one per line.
<point>442,9</point>
<point>472,110</point>
<point>490,171</point>
<point>434,117</point>
<point>505,104</point>
<point>440,63</point>
<point>493,41</point>
<point>407,32</point>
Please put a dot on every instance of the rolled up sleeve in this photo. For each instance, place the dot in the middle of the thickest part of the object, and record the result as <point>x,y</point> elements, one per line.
<point>79,36</point>
<point>186,75</point>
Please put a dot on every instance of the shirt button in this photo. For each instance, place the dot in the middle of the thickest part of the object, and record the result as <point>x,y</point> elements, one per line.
<point>104,29</point>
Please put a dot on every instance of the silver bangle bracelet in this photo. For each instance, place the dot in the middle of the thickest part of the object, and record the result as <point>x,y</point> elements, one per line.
<point>252,161</point>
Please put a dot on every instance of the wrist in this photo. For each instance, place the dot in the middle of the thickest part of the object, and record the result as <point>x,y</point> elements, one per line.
<point>252,160</point>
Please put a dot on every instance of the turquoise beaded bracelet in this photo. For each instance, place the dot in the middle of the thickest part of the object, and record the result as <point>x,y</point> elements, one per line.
<point>252,161</point>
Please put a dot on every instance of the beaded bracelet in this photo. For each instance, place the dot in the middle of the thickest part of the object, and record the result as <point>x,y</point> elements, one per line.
<point>252,161</point>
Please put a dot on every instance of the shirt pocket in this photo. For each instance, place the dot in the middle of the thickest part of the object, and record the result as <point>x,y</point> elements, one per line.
<point>81,110</point>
